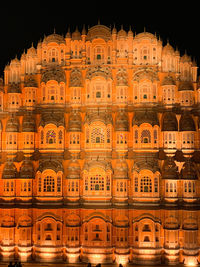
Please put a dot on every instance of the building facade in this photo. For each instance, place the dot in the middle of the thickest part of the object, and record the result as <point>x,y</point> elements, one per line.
<point>100,151</point>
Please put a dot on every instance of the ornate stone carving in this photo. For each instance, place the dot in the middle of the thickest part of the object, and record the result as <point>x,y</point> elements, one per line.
<point>122,77</point>
<point>52,117</point>
<point>145,116</point>
<point>99,71</point>
<point>51,164</point>
<point>145,73</point>
<point>53,73</point>
<point>75,78</point>
<point>97,115</point>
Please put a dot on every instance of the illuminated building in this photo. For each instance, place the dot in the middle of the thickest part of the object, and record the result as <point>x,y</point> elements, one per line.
<point>100,150</point>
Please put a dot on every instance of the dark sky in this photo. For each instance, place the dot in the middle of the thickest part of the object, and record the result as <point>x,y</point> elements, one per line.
<point>22,25</point>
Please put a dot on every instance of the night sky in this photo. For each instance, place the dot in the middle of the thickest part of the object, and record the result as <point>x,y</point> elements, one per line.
<point>22,25</point>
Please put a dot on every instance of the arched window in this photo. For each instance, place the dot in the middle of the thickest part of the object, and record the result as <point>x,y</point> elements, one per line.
<point>97,181</point>
<point>145,183</point>
<point>49,183</point>
<point>98,135</point>
<point>98,90</point>
<point>144,54</point>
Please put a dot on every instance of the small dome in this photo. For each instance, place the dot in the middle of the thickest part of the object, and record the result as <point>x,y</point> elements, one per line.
<point>76,35</point>
<point>121,169</point>
<point>99,31</point>
<point>169,122</point>
<point>12,125</point>
<point>170,170</point>
<point>121,122</point>
<point>74,124</point>
<point>26,170</point>
<point>167,50</point>
<point>15,62</point>
<point>31,51</point>
<point>130,33</point>
<point>185,58</point>
<point>145,35</point>
<point>122,34</point>
<point>147,116</point>
<point>186,123</point>
<point>54,38</point>
<point>28,124</point>
<point>188,171</point>
<point>9,171</point>
<point>114,30</point>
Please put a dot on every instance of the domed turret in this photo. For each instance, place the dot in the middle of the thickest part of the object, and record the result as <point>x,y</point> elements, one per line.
<point>185,58</point>
<point>28,124</point>
<point>26,170</point>
<point>169,122</point>
<point>188,171</point>
<point>76,35</point>
<point>170,170</point>
<point>122,34</point>
<point>9,171</point>
<point>168,50</point>
<point>31,51</point>
<point>54,38</point>
<point>186,123</point>
<point>12,125</point>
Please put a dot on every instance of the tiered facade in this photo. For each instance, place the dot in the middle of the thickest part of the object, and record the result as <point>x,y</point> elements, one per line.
<point>100,151</point>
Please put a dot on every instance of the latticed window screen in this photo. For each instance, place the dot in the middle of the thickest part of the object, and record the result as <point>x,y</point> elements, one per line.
<point>136,184</point>
<point>156,185</point>
<point>51,137</point>
<point>97,183</point>
<point>136,136</point>
<point>49,184</point>
<point>97,135</point>
<point>145,136</point>
<point>108,135</point>
<point>59,184</point>
<point>107,182</point>
<point>145,184</point>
